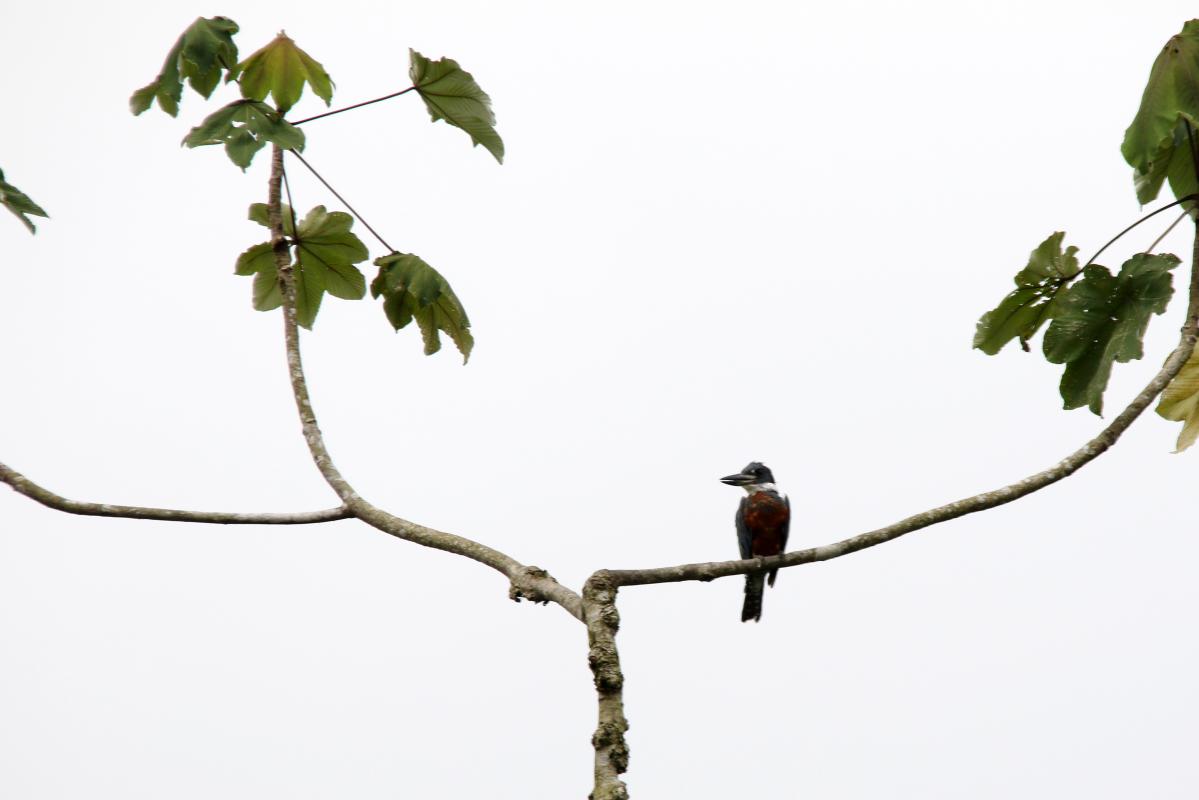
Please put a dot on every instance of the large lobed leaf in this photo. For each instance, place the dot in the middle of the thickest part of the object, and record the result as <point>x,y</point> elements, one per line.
<point>200,55</point>
<point>1101,319</point>
<point>281,69</point>
<point>1180,402</point>
<point>1034,301</point>
<point>326,252</point>
<point>244,127</point>
<point>1156,143</point>
<point>19,203</point>
<point>411,289</point>
<point>450,93</point>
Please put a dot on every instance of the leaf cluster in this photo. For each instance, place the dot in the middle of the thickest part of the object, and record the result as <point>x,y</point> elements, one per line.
<point>19,203</point>
<point>204,51</point>
<point>1095,318</point>
<point>322,250</point>
<point>245,127</point>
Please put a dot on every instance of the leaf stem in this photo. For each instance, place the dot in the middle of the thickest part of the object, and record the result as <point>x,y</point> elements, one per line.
<point>291,204</point>
<point>344,202</point>
<point>1166,232</point>
<point>1145,218</point>
<point>356,105</point>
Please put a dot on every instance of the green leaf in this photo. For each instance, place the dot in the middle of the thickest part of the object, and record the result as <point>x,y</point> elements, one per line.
<point>260,214</point>
<point>19,203</point>
<point>200,55</point>
<point>411,289</point>
<point>1155,144</point>
<point>1101,319</point>
<point>325,253</point>
<point>255,259</point>
<point>450,93</point>
<point>281,69</point>
<point>328,250</point>
<point>1180,402</point>
<point>244,127</point>
<point>1022,313</point>
<point>310,290</point>
<point>268,294</point>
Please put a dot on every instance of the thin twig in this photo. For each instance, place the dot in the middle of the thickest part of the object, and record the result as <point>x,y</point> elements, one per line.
<point>1145,218</point>
<point>1166,232</point>
<point>356,105</point>
<point>51,500</point>
<point>344,202</point>
<point>526,582</point>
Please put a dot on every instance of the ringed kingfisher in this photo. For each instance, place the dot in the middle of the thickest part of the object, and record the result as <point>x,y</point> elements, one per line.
<point>763,522</point>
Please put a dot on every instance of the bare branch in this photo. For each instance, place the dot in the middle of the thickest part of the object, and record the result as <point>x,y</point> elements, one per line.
<point>527,583</point>
<point>51,500</point>
<point>979,502</point>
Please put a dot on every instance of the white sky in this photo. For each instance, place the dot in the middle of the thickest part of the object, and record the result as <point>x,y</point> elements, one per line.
<point>724,232</point>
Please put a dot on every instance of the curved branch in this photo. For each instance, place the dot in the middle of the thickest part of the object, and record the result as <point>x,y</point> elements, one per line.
<point>51,500</point>
<point>528,583</point>
<point>979,502</point>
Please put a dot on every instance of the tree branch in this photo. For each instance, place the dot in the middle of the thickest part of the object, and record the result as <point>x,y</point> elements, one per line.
<point>611,749</point>
<point>51,500</point>
<point>979,502</point>
<point>527,583</point>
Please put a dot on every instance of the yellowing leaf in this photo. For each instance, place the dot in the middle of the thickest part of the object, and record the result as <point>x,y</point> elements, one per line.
<point>281,69</point>
<point>1180,402</point>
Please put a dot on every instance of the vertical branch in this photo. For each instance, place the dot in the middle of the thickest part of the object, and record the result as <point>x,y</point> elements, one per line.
<point>611,750</point>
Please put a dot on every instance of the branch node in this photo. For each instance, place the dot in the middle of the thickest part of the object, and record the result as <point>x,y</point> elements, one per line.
<point>524,585</point>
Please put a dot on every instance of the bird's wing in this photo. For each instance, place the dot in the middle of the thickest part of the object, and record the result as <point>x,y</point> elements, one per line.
<point>786,525</point>
<point>743,538</point>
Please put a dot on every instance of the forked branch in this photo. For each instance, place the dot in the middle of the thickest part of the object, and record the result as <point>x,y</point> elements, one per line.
<point>527,583</point>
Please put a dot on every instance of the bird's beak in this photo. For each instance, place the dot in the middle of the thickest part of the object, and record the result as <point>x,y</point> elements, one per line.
<point>740,479</point>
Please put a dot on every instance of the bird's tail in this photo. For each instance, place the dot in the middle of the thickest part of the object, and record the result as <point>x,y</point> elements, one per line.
<point>755,585</point>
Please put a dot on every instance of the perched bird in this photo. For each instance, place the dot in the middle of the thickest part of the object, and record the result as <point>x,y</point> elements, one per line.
<point>763,522</point>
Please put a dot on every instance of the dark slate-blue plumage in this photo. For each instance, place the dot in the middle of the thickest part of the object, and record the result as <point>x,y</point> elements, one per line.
<point>763,524</point>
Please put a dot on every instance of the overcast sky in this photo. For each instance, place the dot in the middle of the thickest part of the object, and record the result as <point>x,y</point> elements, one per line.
<point>724,232</point>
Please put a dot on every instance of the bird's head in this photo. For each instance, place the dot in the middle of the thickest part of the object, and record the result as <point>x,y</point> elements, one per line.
<point>755,474</point>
